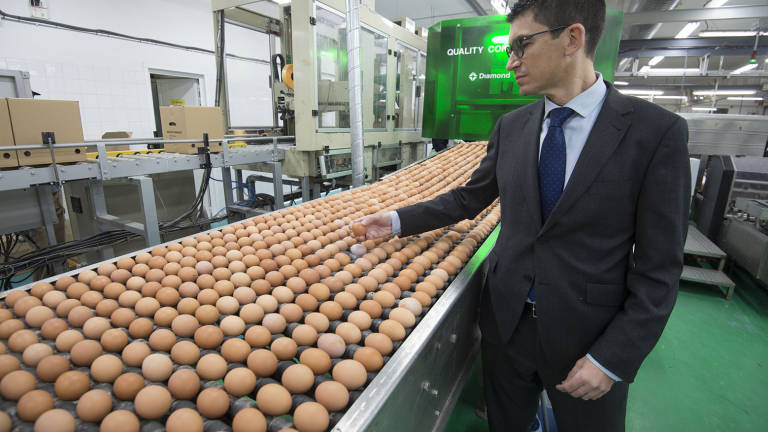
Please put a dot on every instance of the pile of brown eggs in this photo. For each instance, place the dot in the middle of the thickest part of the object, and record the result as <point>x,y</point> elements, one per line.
<point>276,322</point>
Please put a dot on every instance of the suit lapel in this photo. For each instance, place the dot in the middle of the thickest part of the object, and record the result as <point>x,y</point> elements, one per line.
<point>529,156</point>
<point>607,132</point>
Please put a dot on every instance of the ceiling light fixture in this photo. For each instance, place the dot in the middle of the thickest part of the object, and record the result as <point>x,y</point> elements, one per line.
<point>704,109</point>
<point>638,92</point>
<point>715,3</point>
<point>281,2</point>
<point>645,70</point>
<point>624,83</point>
<point>747,67</point>
<point>724,92</point>
<point>730,33</point>
<point>656,60</point>
<point>501,6</point>
<point>672,97</point>
<point>744,98</point>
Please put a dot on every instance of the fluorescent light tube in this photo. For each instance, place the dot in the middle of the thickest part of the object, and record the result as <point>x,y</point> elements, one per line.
<point>637,92</point>
<point>745,68</point>
<point>724,92</point>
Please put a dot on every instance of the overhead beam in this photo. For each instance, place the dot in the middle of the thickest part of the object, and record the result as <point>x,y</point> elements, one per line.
<point>475,5</point>
<point>691,47</point>
<point>705,14</point>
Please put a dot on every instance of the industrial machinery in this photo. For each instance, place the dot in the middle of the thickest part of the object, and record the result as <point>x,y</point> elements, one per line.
<point>412,386</point>
<point>468,86</point>
<point>310,86</point>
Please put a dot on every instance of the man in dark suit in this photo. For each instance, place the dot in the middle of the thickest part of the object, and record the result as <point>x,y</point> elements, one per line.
<point>594,189</point>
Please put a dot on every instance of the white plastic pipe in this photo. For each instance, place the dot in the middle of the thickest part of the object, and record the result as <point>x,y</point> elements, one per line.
<point>355,92</point>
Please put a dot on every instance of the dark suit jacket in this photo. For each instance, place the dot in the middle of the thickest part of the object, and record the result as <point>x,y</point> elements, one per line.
<point>594,293</point>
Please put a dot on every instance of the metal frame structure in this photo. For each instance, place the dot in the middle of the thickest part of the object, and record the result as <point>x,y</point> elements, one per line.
<point>136,168</point>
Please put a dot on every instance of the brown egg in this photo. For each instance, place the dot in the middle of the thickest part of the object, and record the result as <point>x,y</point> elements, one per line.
<point>274,322</point>
<point>15,296</point>
<point>332,344</point>
<point>249,420</point>
<point>317,360</point>
<point>122,317</point>
<point>380,342</point>
<point>16,383</point>
<point>187,306</point>
<point>65,307</point>
<point>333,395</point>
<point>232,325</point>
<point>85,352</point>
<point>157,367</point>
<point>262,362</point>
<point>360,319</point>
<point>94,405</point>
<point>212,367</point>
<point>422,298</point>
<point>39,289</point>
<point>208,337</point>
<point>62,283</point>
<point>371,307</point>
<point>351,373</point>
<point>21,339</point>
<point>298,378</point>
<point>165,316</point>
<point>79,315</point>
<point>120,421</point>
<point>114,340</point>
<point>162,340</point>
<point>91,298</point>
<point>207,314</point>
<point>304,335</point>
<point>318,321</point>
<point>49,368</point>
<point>147,306</point>
<point>385,298</point>
<point>251,313</point>
<point>140,328</point>
<point>213,402</point>
<point>184,384</point>
<point>55,420</point>
<point>36,352</point>
<point>134,353</point>
<point>128,385</point>
<point>311,417</point>
<point>25,304</point>
<point>184,420</point>
<point>331,309</point>
<point>370,358</point>
<point>185,325</point>
<point>8,363</point>
<point>273,399</point>
<point>258,336</point>
<point>33,404</point>
<point>284,348</point>
<point>38,315</point>
<point>393,329</point>
<point>152,402</point>
<point>70,385</point>
<point>94,327</point>
<point>52,299</point>
<point>9,327</point>
<point>235,350</point>
<point>240,381</point>
<point>67,339</point>
<point>267,302</point>
<point>358,229</point>
<point>291,312</point>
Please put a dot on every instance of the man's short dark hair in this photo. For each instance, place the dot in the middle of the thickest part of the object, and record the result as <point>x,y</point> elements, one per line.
<point>553,13</point>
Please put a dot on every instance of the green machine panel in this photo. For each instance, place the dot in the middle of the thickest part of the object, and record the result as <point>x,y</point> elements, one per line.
<point>468,86</point>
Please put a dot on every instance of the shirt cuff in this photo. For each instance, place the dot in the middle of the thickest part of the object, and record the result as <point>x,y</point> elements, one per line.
<point>606,371</point>
<point>395,222</point>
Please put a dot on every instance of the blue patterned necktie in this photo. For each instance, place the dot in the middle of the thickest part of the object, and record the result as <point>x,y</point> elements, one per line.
<point>552,168</point>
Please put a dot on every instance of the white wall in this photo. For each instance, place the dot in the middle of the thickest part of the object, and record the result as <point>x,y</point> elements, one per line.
<point>109,76</point>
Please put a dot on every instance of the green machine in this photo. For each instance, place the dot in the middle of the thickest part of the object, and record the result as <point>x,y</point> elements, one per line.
<point>467,85</point>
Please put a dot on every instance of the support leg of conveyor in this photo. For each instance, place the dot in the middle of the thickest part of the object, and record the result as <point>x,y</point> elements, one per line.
<point>148,209</point>
<point>305,189</point>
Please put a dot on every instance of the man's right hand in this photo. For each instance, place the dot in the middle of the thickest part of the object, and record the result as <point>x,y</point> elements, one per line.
<point>377,225</point>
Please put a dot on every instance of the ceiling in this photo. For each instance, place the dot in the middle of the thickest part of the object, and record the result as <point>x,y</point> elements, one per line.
<point>650,30</point>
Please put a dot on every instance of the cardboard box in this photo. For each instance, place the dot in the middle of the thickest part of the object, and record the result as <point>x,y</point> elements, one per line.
<point>31,117</point>
<point>113,135</point>
<point>190,122</point>
<point>8,158</point>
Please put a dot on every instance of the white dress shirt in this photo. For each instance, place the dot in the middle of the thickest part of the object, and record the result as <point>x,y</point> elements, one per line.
<point>587,106</point>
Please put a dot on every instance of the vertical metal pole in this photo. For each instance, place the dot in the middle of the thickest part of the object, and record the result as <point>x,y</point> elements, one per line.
<point>273,79</point>
<point>239,180</point>
<point>375,162</point>
<point>47,211</point>
<point>226,178</point>
<point>148,209</point>
<point>305,191</point>
<point>277,176</point>
<point>355,91</point>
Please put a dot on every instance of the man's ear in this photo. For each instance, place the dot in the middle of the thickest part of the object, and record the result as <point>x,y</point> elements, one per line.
<point>577,38</point>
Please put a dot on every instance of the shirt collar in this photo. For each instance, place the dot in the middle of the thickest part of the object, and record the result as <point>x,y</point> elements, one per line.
<point>586,102</point>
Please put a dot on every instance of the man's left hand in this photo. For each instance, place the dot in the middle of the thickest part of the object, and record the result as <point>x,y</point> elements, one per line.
<point>586,381</point>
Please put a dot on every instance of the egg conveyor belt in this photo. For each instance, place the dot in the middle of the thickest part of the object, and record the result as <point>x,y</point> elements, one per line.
<point>278,322</point>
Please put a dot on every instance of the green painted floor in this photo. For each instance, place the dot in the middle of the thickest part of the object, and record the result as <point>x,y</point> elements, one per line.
<point>709,371</point>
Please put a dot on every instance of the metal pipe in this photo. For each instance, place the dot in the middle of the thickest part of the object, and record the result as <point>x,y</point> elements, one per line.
<point>355,91</point>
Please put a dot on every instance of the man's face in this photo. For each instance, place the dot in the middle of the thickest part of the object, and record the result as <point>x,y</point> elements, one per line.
<point>542,61</point>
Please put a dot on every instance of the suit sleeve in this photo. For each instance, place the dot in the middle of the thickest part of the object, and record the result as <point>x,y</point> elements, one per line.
<point>653,278</point>
<point>464,202</point>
